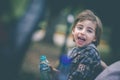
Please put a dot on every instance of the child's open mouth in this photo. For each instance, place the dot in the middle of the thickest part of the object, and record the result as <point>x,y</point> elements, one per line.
<point>81,40</point>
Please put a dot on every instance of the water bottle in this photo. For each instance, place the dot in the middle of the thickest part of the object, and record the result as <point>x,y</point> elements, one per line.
<point>44,68</point>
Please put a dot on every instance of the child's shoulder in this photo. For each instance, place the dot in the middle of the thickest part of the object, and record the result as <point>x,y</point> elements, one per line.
<point>92,50</point>
<point>72,50</point>
<point>91,46</point>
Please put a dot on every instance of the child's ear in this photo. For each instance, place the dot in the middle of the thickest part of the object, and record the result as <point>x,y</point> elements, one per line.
<point>94,39</point>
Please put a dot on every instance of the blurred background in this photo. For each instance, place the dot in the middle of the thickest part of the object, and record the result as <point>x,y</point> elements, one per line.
<point>30,28</point>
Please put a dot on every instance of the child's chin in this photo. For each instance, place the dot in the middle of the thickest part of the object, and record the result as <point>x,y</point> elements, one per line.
<point>80,45</point>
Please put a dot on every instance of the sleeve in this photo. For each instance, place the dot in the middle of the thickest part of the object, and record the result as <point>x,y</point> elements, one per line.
<point>69,54</point>
<point>86,63</point>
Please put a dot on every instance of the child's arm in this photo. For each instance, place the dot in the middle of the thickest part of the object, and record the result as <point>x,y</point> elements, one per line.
<point>103,64</point>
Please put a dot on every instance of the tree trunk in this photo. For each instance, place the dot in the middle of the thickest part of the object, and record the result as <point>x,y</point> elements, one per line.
<point>51,28</point>
<point>11,56</point>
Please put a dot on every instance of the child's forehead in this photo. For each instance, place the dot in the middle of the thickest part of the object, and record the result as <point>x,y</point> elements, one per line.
<point>87,23</point>
<point>86,20</point>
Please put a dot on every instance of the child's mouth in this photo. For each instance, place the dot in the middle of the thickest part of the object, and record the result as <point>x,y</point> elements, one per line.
<point>81,40</point>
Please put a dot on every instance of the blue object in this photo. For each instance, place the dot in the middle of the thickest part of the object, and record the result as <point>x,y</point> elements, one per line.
<point>65,60</point>
<point>44,64</point>
<point>42,58</point>
<point>44,67</point>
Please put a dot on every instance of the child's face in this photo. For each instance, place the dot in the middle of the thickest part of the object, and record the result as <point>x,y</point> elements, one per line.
<point>84,33</point>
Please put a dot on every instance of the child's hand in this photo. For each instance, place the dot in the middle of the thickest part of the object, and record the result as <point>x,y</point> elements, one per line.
<point>54,70</point>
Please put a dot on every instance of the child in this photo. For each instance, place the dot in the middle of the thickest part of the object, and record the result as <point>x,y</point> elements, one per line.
<point>86,61</point>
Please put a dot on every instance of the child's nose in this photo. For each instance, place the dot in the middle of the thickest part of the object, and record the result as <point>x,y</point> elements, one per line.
<point>82,32</point>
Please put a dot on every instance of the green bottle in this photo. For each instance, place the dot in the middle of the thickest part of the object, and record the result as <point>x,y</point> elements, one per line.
<point>44,68</point>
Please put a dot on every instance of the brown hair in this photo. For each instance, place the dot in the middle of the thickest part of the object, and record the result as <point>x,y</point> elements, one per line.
<point>89,15</point>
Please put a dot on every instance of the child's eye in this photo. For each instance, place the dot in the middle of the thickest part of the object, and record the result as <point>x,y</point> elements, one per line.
<point>79,27</point>
<point>90,31</point>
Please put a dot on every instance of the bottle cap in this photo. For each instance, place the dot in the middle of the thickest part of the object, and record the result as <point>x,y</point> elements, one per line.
<point>43,57</point>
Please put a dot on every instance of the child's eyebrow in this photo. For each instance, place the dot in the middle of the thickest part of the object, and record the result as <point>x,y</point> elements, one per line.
<point>91,28</point>
<point>79,25</point>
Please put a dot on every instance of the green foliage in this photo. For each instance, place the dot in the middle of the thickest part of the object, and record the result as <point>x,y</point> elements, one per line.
<point>19,7</point>
<point>61,28</point>
<point>13,10</point>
